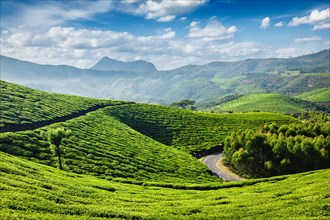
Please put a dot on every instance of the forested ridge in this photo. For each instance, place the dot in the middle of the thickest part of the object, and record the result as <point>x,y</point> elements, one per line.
<point>280,149</point>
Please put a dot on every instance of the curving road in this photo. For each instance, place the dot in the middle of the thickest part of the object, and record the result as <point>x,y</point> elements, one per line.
<point>211,162</point>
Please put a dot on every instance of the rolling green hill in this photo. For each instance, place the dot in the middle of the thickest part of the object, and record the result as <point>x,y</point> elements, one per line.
<point>34,191</point>
<point>22,105</point>
<point>131,161</point>
<point>189,131</point>
<point>102,146</point>
<point>265,103</point>
<point>317,95</point>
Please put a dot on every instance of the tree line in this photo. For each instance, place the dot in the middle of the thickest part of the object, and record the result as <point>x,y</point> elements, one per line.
<point>275,150</point>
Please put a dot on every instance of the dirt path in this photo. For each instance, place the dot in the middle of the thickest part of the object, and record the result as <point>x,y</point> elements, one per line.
<point>213,161</point>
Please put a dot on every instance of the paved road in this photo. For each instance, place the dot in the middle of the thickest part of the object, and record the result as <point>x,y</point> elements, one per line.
<point>211,161</point>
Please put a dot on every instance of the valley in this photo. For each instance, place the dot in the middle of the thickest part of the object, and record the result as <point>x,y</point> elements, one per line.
<point>164,109</point>
<point>127,160</point>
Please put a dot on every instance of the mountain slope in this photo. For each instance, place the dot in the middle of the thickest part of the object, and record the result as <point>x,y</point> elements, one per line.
<point>202,83</point>
<point>22,105</point>
<point>265,103</point>
<point>30,191</point>
<point>100,145</point>
<point>317,95</point>
<point>189,131</point>
<point>108,64</point>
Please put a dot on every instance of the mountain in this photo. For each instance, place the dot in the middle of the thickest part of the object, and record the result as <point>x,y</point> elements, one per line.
<point>141,81</point>
<point>108,64</point>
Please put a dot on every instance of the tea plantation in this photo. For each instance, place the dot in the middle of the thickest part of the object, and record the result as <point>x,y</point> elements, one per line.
<point>189,131</point>
<point>22,105</point>
<point>34,191</point>
<point>134,161</point>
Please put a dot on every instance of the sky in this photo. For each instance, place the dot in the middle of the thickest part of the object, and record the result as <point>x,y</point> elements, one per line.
<point>168,33</point>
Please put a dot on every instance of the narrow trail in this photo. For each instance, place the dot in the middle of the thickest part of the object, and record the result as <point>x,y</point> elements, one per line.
<point>39,124</point>
<point>214,163</point>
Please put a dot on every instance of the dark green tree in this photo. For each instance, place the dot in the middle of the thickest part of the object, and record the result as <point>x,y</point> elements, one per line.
<point>183,104</point>
<point>55,137</point>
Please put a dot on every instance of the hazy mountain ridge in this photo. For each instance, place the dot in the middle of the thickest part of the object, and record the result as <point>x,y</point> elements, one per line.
<point>203,83</point>
<point>108,64</point>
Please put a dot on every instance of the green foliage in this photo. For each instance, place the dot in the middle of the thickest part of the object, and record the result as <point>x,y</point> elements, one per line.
<point>55,137</point>
<point>34,191</point>
<point>102,146</point>
<point>183,103</point>
<point>276,150</point>
<point>317,95</point>
<point>189,131</point>
<point>265,103</point>
<point>22,105</point>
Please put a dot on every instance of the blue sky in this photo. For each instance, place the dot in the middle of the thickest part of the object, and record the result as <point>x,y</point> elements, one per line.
<point>168,33</point>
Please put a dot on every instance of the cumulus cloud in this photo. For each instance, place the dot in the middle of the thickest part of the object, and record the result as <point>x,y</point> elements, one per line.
<point>214,30</point>
<point>83,47</point>
<point>307,39</point>
<point>265,23</point>
<point>166,18</point>
<point>279,24</point>
<point>162,10</point>
<point>319,19</point>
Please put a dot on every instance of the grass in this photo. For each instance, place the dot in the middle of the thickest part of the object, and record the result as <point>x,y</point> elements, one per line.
<point>34,191</point>
<point>317,95</point>
<point>189,131</point>
<point>22,105</point>
<point>102,146</point>
<point>265,103</point>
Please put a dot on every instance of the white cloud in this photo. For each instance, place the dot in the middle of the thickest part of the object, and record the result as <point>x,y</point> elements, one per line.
<point>319,19</point>
<point>83,47</point>
<point>279,24</point>
<point>166,18</point>
<point>307,39</point>
<point>265,23</point>
<point>163,10</point>
<point>183,18</point>
<point>214,30</point>
<point>51,13</point>
<point>321,26</point>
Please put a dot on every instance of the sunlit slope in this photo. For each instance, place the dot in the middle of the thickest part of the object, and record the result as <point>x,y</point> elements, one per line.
<point>317,95</point>
<point>100,145</point>
<point>22,105</point>
<point>188,130</point>
<point>265,103</point>
<point>34,191</point>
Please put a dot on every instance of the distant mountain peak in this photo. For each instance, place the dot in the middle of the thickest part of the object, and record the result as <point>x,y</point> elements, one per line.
<point>108,64</point>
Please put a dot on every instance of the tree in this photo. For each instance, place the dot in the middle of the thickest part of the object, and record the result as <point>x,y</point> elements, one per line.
<point>183,104</point>
<point>55,137</point>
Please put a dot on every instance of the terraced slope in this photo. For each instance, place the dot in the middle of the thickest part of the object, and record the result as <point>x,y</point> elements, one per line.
<point>189,131</point>
<point>317,95</point>
<point>21,105</point>
<point>265,103</point>
<point>102,146</point>
<point>34,191</point>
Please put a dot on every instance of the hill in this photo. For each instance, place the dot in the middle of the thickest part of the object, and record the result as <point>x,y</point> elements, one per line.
<point>102,144</point>
<point>317,95</point>
<point>108,64</point>
<point>34,191</point>
<point>265,103</point>
<point>202,83</point>
<point>189,131</point>
<point>21,105</point>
